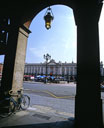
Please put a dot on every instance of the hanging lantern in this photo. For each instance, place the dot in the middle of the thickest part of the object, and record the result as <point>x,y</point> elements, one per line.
<point>48,18</point>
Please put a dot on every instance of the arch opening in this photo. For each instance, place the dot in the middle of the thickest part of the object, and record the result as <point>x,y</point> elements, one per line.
<point>1,66</point>
<point>101,44</point>
<point>60,43</point>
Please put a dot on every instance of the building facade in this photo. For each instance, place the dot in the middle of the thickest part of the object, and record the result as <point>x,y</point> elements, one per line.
<point>1,68</point>
<point>66,70</point>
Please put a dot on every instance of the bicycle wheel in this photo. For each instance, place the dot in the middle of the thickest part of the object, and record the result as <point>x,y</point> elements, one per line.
<point>25,102</point>
<point>9,109</point>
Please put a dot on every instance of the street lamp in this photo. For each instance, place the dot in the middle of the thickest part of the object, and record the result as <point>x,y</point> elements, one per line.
<point>46,57</point>
<point>48,17</point>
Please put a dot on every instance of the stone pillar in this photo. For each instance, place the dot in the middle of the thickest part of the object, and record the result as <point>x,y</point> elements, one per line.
<point>88,104</point>
<point>44,68</point>
<point>20,58</point>
<point>54,70</point>
<point>58,70</point>
<point>14,58</point>
<point>49,70</point>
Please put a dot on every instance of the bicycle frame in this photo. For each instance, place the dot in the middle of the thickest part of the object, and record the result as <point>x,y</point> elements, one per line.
<point>15,102</point>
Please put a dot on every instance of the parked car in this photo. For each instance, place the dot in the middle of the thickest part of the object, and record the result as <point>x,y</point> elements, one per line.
<point>40,78</point>
<point>56,80</point>
<point>28,77</point>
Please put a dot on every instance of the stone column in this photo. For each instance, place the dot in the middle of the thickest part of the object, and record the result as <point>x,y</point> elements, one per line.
<point>49,70</point>
<point>65,70</point>
<point>54,70</point>
<point>20,58</point>
<point>40,69</point>
<point>44,68</point>
<point>88,104</point>
<point>14,58</point>
<point>59,70</point>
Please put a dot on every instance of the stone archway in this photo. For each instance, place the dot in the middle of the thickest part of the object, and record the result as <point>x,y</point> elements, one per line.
<point>18,52</point>
<point>88,66</point>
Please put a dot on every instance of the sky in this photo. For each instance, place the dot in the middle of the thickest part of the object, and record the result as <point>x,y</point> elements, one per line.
<point>59,41</point>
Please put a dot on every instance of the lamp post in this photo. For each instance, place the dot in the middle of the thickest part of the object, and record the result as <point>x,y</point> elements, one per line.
<point>46,57</point>
<point>48,17</point>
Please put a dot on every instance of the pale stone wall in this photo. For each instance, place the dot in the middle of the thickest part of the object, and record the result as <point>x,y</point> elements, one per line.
<point>69,69</point>
<point>19,60</point>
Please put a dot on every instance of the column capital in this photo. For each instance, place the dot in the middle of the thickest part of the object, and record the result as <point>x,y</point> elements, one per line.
<point>87,14</point>
<point>24,30</point>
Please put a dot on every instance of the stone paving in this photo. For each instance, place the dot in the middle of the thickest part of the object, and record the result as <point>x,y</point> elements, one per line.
<point>58,105</point>
<point>44,112</point>
<point>33,119</point>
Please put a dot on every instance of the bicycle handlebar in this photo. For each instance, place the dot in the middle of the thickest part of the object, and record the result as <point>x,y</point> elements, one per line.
<point>10,92</point>
<point>18,92</point>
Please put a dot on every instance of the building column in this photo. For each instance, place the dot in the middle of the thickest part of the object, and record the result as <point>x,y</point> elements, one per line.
<point>60,70</point>
<point>88,103</point>
<point>14,58</point>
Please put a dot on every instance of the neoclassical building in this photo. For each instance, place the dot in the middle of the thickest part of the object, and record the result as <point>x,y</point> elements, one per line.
<point>1,68</point>
<point>66,70</point>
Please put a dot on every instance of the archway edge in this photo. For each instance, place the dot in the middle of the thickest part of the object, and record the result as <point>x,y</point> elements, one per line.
<point>30,14</point>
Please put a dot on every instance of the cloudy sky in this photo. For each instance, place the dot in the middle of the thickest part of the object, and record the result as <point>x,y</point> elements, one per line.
<point>60,40</point>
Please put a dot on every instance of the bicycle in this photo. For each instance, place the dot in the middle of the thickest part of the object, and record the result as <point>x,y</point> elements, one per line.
<point>23,102</point>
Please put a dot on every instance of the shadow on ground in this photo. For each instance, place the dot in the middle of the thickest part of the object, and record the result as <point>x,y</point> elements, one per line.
<point>59,124</point>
